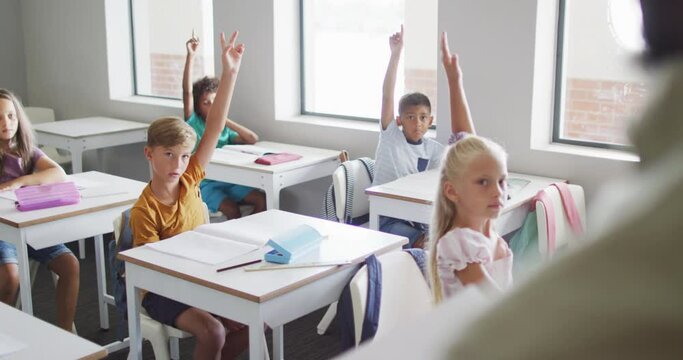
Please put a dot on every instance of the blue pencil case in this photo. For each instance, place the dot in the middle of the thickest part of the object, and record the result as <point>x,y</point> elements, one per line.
<point>293,244</point>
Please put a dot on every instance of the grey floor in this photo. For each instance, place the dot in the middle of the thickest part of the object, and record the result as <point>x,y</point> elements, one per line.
<point>301,339</point>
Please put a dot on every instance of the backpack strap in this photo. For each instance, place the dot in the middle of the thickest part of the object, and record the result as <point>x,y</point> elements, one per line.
<point>348,175</point>
<point>329,210</point>
<point>374,301</point>
<point>369,167</point>
<point>543,197</point>
<point>570,209</point>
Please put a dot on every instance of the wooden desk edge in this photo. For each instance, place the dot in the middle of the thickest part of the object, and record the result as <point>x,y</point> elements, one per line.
<point>52,132</point>
<point>258,299</point>
<point>65,215</point>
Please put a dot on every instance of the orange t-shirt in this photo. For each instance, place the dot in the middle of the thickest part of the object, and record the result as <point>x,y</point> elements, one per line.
<point>151,220</point>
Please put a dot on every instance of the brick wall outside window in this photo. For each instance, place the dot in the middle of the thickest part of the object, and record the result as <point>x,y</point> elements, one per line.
<point>600,110</point>
<point>167,74</point>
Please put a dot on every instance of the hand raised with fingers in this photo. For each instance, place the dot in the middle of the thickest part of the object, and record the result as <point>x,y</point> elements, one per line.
<point>450,61</point>
<point>396,42</point>
<point>191,45</point>
<point>231,54</point>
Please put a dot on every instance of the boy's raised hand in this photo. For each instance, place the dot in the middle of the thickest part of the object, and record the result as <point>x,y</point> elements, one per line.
<point>231,54</point>
<point>396,42</point>
<point>450,61</point>
<point>192,45</point>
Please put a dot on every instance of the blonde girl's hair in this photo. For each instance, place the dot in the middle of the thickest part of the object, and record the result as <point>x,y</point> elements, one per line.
<point>170,132</point>
<point>457,158</point>
<point>22,142</point>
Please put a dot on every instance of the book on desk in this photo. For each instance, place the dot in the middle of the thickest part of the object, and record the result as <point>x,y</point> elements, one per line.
<point>234,245</point>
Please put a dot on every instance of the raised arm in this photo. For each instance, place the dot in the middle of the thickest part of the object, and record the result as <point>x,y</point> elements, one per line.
<point>191,46</point>
<point>231,57</point>
<point>388,88</point>
<point>461,119</point>
<point>46,172</point>
<point>244,134</point>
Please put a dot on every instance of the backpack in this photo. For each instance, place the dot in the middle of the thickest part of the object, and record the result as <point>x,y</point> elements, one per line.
<point>347,330</point>
<point>329,203</point>
<point>123,242</point>
<point>525,242</point>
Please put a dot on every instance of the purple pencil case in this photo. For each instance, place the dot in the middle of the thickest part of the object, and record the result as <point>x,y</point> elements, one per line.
<point>279,158</point>
<point>47,196</point>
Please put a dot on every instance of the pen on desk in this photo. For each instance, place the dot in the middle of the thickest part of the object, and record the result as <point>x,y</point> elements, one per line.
<point>239,265</point>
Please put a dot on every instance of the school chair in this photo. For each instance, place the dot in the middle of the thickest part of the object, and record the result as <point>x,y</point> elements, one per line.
<point>39,115</point>
<point>33,271</point>
<point>404,293</point>
<point>561,217</point>
<point>347,203</point>
<point>161,336</point>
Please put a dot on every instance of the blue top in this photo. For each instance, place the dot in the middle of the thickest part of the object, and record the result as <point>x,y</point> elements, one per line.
<point>199,125</point>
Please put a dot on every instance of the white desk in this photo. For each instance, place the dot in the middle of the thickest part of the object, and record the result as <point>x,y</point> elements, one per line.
<point>411,198</point>
<point>41,340</point>
<point>92,217</point>
<point>79,135</point>
<point>273,297</point>
<point>238,168</point>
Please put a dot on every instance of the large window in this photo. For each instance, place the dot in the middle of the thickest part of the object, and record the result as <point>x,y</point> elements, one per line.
<point>346,52</point>
<point>600,86</point>
<point>160,30</point>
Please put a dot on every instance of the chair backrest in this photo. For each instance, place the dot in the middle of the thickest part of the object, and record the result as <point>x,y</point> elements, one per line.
<point>349,181</point>
<point>405,293</point>
<point>39,115</point>
<point>564,232</point>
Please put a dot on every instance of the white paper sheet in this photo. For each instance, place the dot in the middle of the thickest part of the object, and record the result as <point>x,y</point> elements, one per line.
<point>203,248</point>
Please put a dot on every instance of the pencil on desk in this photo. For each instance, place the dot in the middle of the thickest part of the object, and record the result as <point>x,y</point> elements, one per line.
<point>239,265</point>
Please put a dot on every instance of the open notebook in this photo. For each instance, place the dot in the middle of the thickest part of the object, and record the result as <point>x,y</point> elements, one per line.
<point>263,156</point>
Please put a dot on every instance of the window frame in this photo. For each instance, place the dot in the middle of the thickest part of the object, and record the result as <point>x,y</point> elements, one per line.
<point>302,81</point>
<point>560,90</point>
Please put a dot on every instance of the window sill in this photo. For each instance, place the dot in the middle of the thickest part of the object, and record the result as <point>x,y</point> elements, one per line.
<point>607,154</point>
<point>333,122</point>
<point>148,100</point>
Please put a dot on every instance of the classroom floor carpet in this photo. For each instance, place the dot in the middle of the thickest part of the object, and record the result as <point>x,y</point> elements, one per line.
<point>301,340</point>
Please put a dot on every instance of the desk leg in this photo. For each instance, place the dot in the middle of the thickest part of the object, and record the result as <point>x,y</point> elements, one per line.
<point>272,194</point>
<point>101,281</point>
<point>76,160</point>
<point>278,342</point>
<point>374,217</point>
<point>24,276</point>
<point>77,167</point>
<point>134,335</point>
<point>257,342</point>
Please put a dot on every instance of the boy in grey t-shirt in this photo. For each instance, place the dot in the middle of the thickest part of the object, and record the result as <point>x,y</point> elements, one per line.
<point>404,151</point>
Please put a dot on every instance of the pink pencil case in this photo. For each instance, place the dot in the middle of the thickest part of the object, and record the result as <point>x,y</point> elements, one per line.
<point>273,159</point>
<point>47,196</point>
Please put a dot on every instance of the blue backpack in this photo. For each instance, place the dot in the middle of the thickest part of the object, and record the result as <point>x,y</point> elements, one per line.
<point>118,270</point>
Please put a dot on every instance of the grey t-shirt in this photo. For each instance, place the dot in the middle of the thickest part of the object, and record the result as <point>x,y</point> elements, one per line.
<point>396,157</point>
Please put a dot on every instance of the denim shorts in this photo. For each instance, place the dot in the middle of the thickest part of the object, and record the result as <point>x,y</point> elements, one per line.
<point>163,309</point>
<point>8,253</point>
<point>214,192</point>
<point>411,230</point>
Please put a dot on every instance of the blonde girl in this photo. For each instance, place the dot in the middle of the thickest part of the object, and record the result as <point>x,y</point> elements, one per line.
<point>472,191</point>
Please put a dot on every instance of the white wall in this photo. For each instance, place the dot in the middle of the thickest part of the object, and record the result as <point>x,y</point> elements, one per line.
<point>12,60</point>
<point>67,70</point>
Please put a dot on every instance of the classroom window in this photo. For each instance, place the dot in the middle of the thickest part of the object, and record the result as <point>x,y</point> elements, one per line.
<point>600,86</point>
<point>345,52</point>
<point>160,29</point>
